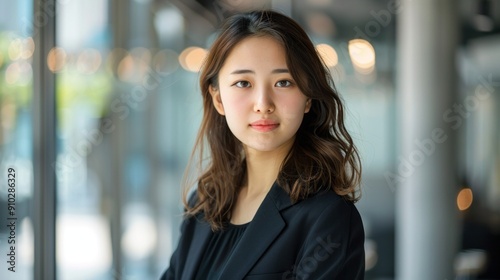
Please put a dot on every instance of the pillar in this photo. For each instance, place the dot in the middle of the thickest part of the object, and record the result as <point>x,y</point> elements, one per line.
<point>427,231</point>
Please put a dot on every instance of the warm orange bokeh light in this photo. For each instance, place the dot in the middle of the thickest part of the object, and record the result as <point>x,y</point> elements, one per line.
<point>56,59</point>
<point>192,58</point>
<point>464,199</point>
<point>328,54</point>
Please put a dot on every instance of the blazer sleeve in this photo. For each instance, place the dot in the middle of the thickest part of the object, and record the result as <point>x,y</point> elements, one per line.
<point>335,245</point>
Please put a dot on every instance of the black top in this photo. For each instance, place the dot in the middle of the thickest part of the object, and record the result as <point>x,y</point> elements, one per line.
<point>218,251</point>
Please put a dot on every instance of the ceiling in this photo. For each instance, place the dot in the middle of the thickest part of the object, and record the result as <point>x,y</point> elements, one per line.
<point>337,18</point>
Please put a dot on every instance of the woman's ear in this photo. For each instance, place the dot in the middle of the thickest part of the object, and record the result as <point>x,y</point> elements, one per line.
<point>216,99</point>
<point>308,105</point>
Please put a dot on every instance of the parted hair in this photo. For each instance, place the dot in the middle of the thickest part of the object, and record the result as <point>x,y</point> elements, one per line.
<point>323,155</point>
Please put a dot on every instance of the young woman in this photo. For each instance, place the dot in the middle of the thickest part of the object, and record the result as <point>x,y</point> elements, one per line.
<point>276,199</point>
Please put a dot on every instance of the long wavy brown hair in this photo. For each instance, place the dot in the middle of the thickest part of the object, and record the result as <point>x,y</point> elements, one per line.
<point>323,155</point>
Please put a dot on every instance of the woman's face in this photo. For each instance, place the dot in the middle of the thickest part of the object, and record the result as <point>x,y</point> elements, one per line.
<point>262,103</point>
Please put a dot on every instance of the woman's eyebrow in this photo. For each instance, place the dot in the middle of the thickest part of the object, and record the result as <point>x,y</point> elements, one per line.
<point>246,71</point>
<point>243,71</point>
<point>280,70</point>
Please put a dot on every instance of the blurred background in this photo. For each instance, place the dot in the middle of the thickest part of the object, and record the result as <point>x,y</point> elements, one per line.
<point>99,107</point>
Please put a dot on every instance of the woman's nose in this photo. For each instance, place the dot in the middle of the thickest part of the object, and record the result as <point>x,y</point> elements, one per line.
<point>263,101</point>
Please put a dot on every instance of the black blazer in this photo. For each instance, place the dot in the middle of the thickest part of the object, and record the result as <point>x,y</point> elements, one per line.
<point>321,237</point>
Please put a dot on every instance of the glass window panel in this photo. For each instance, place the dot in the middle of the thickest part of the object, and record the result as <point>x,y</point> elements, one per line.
<point>127,118</point>
<point>83,86</point>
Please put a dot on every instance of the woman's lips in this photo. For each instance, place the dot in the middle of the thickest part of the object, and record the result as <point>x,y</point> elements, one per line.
<point>264,125</point>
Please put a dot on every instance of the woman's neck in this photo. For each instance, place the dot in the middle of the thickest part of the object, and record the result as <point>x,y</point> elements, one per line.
<point>262,170</point>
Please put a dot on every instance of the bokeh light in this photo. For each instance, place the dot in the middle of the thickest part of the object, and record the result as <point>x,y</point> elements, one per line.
<point>464,199</point>
<point>89,61</point>
<point>192,58</point>
<point>328,54</point>
<point>15,48</point>
<point>28,48</point>
<point>56,59</point>
<point>19,72</point>
<point>362,56</point>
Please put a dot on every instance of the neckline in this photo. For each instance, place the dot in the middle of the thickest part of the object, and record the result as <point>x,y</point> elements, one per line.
<point>231,225</point>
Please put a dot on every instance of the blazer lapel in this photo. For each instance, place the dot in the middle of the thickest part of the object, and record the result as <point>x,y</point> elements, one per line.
<point>261,232</point>
<point>200,238</point>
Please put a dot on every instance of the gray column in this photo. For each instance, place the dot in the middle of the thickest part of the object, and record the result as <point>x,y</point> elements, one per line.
<point>427,229</point>
<point>44,141</point>
<point>119,16</point>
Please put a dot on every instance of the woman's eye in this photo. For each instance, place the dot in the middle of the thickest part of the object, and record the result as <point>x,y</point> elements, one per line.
<point>283,83</point>
<point>242,84</point>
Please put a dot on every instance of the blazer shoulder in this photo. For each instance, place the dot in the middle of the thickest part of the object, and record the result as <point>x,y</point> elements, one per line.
<point>326,210</point>
<point>334,227</point>
<point>327,201</point>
